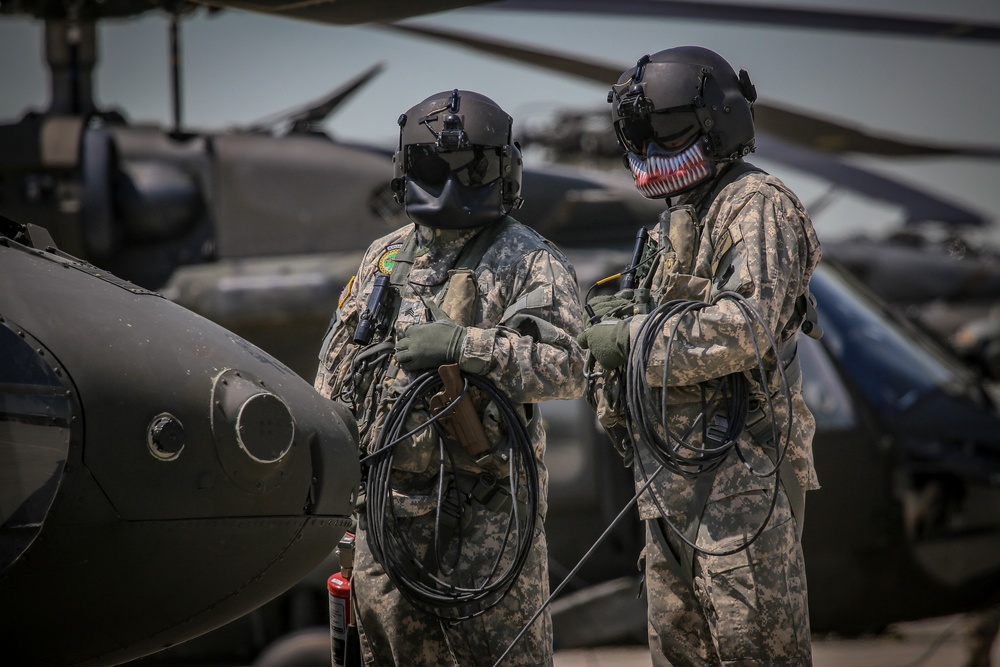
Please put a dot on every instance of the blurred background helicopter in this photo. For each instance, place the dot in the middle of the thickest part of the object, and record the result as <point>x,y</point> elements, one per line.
<point>258,228</point>
<point>941,267</point>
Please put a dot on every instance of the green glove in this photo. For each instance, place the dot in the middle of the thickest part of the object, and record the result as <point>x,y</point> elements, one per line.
<point>608,341</point>
<point>604,304</point>
<point>430,345</point>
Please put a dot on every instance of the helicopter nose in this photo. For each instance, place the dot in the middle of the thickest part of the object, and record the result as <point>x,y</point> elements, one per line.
<point>159,476</point>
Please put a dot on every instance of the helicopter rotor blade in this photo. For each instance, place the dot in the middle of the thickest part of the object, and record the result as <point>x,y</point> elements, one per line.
<point>319,110</point>
<point>829,136</point>
<point>337,13</point>
<point>343,13</point>
<point>918,205</point>
<point>865,22</point>
<point>804,129</point>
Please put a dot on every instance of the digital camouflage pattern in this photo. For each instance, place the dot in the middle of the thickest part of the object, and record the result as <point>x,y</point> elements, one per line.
<point>756,239</point>
<point>748,608</point>
<point>522,303</point>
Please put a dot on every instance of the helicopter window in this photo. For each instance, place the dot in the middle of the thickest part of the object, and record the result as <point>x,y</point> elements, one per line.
<point>472,167</point>
<point>822,389</point>
<point>891,365</point>
<point>35,434</point>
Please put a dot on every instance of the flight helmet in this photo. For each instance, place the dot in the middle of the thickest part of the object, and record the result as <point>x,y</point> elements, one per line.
<point>456,166</point>
<point>679,114</point>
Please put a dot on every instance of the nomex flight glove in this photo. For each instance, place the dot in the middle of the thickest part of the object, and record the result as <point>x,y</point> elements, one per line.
<point>430,345</point>
<point>608,341</point>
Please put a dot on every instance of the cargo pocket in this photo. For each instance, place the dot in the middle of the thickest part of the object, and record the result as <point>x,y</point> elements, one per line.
<point>413,455</point>
<point>755,599</point>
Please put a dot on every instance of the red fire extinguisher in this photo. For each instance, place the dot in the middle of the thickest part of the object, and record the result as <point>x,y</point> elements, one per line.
<point>345,644</point>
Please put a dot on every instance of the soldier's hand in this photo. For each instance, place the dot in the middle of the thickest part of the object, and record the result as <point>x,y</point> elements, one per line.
<point>608,341</point>
<point>430,345</point>
<point>607,303</point>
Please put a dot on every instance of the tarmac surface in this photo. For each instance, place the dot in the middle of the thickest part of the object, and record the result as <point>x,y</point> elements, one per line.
<point>938,642</point>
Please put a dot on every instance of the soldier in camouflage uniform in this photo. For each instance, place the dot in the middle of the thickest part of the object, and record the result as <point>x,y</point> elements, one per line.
<point>485,292</point>
<point>684,118</point>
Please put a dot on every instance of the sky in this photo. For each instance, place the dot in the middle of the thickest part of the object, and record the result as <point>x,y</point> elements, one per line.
<point>240,67</point>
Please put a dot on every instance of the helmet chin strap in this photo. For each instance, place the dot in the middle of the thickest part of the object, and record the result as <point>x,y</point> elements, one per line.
<point>454,206</point>
<point>658,175</point>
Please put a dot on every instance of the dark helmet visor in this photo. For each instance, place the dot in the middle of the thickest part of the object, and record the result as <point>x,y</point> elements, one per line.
<point>472,167</point>
<point>671,130</point>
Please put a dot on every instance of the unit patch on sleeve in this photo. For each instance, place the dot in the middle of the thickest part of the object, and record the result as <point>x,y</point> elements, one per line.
<point>388,258</point>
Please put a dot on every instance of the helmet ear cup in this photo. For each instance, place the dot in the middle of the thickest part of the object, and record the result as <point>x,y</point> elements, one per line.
<point>398,187</point>
<point>513,172</point>
<point>749,90</point>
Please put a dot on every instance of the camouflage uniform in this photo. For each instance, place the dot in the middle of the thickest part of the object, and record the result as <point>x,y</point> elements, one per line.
<point>524,313</point>
<point>748,608</point>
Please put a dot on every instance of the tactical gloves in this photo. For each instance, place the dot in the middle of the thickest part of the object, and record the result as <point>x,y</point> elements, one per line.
<point>430,345</point>
<point>606,303</point>
<point>608,341</point>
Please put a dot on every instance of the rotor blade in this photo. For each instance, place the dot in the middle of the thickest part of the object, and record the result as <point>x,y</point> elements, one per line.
<point>317,111</point>
<point>337,12</point>
<point>918,205</point>
<point>870,22</point>
<point>819,134</point>
<point>586,69</point>
<point>831,137</point>
<point>387,10</point>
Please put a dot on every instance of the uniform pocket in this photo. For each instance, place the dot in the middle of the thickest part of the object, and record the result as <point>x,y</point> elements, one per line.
<point>755,598</point>
<point>414,454</point>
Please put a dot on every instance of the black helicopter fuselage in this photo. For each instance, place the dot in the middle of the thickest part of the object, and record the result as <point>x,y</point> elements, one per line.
<point>160,476</point>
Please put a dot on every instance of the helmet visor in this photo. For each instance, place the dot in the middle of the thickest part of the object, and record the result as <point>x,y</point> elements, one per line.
<point>471,167</point>
<point>671,130</point>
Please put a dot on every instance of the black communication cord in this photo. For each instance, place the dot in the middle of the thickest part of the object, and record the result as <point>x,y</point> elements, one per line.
<point>676,453</point>
<point>438,586</point>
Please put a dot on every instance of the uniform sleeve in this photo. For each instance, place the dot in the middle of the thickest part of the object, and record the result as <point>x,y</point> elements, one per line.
<point>532,354</point>
<point>767,267</point>
<point>336,351</point>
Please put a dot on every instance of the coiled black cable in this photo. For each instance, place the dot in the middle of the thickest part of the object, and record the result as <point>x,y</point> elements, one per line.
<point>675,452</point>
<point>447,589</point>
<point>730,398</point>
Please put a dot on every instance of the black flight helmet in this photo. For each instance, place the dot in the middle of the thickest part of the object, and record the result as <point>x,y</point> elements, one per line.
<point>679,114</point>
<point>456,167</point>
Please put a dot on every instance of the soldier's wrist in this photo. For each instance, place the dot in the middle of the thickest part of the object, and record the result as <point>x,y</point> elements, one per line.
<point>477,350</point>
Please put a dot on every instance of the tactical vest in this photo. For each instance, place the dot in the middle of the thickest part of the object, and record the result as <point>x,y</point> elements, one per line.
<point>377,382</point>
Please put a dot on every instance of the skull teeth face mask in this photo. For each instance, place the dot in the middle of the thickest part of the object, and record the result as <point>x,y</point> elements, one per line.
<point>659,175</point>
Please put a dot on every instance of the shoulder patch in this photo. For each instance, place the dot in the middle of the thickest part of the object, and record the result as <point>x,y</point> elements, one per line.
<point>729,239</point>
<point>387,260</point>
<point>346,292</point>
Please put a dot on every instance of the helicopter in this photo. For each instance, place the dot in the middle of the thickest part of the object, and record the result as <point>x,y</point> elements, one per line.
<point>232,266</point>
<point>117,491</point>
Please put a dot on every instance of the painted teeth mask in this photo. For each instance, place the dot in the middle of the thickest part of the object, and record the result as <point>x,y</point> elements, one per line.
<point>659,175</point>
